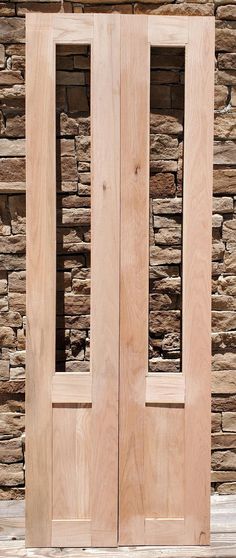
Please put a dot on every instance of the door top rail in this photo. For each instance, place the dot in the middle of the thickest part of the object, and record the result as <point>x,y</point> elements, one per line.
<point>66,28</point>
<point>163,30</point>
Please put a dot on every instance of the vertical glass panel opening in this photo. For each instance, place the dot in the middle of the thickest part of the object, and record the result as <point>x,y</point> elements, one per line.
<point>73,208</point>
<point>166,182</point>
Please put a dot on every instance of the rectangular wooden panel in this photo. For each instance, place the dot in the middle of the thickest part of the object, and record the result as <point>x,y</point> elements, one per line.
<point>196,334</point>
<point>41,275</point>
<point>71,462</point>
<point>71,388</point>
<point>168,30</point>
<point>164,462</point>
<point>105,276</point>
<point>165,388</point>
<point>73,28</point>
<point>135,76</point>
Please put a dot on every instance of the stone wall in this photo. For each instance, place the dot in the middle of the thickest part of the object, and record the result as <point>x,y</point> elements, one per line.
<point>73,218</point>
<point>73,208</point>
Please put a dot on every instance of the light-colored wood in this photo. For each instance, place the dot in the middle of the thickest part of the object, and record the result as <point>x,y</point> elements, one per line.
<point>164,531</point>
<point>168,30</point>
<point>164,419</point>
<point>223,542</point>
<point>164,464</point>
<point>65,493</point>
<point>12,527</point>
<point>83,460</point>
<point>72,28</point>
<point>171,459</point>
<point>41,275</point>
<point>71,462</point>
<point>196,312</point>
<point>71,388</point>
<point>135,77</point>
<point>71,532</point>
<point>12,508</point>
<point>222,547</point>
<point>85,483</point>
<point>105,222</point>
<point>165,388</point>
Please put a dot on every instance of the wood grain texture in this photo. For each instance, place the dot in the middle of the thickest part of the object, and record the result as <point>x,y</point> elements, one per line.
<point>41,274</point>
<point>135,78</point>
<point>12,528</point>
<point>164,531</point>
<point>72,28</point>
<point>196,333</point>
<point>71,533</point>
<point>164,465</point>
<point>83,469</point>
<point>71,462</point>
<point>162,449</point>
<point>165,388</point>
<point>105,246</point>
<point>223,546</point>
<point>65,494</point>
<point>168,30</point>
<point>223,541</point>
<point>71,388</point>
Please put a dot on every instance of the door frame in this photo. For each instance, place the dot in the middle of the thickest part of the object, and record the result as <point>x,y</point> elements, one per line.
<point>109,300</point>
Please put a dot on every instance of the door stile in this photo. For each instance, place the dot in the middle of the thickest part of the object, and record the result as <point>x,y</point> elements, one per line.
<point>197,238</point>
<point>105,298</point>
<point>41,274</point>
<point>135,77</point>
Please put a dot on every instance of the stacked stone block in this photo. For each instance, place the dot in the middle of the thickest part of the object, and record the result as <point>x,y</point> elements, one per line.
<point>73,209</point>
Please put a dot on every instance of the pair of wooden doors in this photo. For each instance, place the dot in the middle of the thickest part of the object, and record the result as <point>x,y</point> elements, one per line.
<point>118,456</point>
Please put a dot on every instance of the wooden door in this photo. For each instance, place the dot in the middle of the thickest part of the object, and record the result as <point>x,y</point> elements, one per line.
<point>72,418</point>
<point>118,456</point>
<point>164,424</point>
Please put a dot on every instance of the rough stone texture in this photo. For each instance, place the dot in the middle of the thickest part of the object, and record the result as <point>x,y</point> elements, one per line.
<point>73,220</point>
<point>226,12</point>
<point>229,422</point>
<point>225,39</point>
<point>215,422</point>
<point>224,181</point>
<point>225,125</point>
<point>223,381</point>
<point>221,95</point>
<point>227,488</point>
<point>224,153</point>
<point>12,29</point>
<point>225,441</point>
<point>224,460</point>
